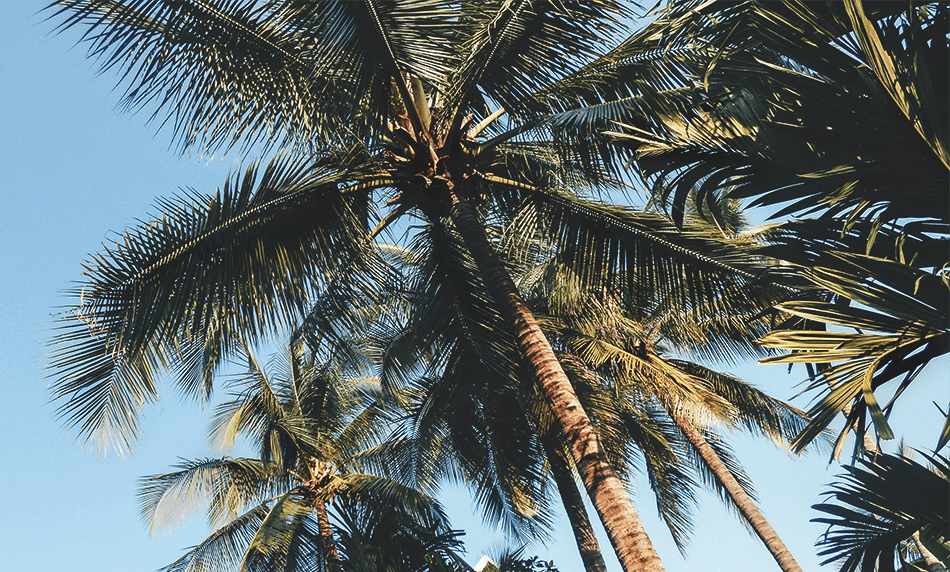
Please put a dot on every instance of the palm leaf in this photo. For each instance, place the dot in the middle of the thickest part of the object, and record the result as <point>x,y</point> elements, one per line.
<point>528,44</point>
<point>227,486</point>
<point>880,504</point>
<point>689,270</point>
<point>227,264</point>
<point>752,135</point>
<point>905,308</point>
<point>224,549</point>
<point>287,534</point>
<point>264,73</point>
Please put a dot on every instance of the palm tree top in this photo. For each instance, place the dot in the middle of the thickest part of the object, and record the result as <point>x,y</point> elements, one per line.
<point>387,109</point>
<point>316,433</point>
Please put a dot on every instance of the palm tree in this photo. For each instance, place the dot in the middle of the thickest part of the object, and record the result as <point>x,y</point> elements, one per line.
<point>379,106</point>
<point>599,335</point>
<point>462,386</point>
<point>832,110</point>
<point>475,392</point>
<point>269,513</point>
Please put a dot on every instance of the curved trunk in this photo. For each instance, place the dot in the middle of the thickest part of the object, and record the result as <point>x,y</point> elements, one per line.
<point>744,503</point>
<point>573,503</point>
<point>933,564</point>
<point>630,541</point>
<point>326,538</point>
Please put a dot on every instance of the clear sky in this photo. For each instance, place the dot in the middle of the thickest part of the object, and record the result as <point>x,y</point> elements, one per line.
<point>73,171</point>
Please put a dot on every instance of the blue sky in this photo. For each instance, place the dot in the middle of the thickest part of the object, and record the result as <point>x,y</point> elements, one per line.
<point>73,171</point>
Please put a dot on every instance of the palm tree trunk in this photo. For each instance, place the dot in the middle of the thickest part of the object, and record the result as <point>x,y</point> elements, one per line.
<point>573,503</point>
<point>330,554</point>
<point>933,564</point>
<point>630,541</point>
<point>745,504</point>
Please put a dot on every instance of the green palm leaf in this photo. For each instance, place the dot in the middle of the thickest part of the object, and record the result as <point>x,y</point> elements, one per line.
<point>224,549</point>
<point>906,312</point>
<point>225,264</point>
<point>264,73</point>
<point>751,134</point>
<point>878,505</point>
<point>652,260</point>
<point>226,486</point>
<point>533,42</point>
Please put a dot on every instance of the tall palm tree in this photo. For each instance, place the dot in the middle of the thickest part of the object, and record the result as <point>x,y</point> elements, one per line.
<point>600,335</point>
<point>441,110</point>
<point>312,430</point>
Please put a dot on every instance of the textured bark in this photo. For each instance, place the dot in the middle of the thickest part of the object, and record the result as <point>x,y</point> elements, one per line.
<point>745,504</point>
<point>326,538</point>
<point>584,536</point>
<point>933,564</point>
<point>630,541</point>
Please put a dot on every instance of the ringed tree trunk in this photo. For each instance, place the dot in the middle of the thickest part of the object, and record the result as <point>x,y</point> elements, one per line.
<point>584,536</point>
<point>611,501</point>
<point>326,537</point>
<point>933,564</point>
<point>743,501</point>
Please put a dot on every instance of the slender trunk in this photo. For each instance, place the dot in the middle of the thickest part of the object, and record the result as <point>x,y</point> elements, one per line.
<point>330,554</point>
<point>573,503</point>
<point>630,541</point>
<point>745,504</point>
<point>933,564</point>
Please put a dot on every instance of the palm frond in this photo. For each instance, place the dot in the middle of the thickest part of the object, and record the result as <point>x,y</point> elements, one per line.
<point>256,408</point>
<point>227,264</point>
<point>645,253</point>
<point>756,131</point>
<point>751,408</point>
<point>377,536</point>
<point>224,549</point>
<point>227,486</point>
<point>666,463</point>
<point>287,535</point>
<point>879,504</point>
<point>906,311</point>
<point>263,73</point>
<point>528,44</point>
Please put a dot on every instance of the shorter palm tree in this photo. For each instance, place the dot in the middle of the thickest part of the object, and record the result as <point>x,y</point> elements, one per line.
<point>313,430</point>
<point>602,338</point>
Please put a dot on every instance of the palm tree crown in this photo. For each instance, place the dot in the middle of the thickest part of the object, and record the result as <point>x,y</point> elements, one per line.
<point>314,432</point>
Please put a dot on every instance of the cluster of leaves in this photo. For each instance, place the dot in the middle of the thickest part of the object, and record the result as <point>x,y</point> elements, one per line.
<point>781,117</point>
<point>836,114</point>
<point>882,503</point>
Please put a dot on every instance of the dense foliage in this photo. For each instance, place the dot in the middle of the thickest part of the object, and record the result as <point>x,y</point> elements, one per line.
<point>521,318</point>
